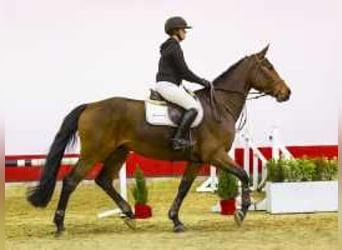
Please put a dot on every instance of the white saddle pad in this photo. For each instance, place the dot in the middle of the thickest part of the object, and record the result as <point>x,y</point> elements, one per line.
<point>157,114</point>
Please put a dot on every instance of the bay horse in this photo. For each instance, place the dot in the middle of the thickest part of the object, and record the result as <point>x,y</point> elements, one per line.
<point>111,128</point>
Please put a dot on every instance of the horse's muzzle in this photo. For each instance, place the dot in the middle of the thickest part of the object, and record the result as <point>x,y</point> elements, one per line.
<point>283,96</point>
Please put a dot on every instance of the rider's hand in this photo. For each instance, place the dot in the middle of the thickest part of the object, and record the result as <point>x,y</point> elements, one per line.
<point>206,83</point>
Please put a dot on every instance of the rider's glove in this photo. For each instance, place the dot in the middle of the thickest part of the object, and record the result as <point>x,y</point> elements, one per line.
<point>205,83</point>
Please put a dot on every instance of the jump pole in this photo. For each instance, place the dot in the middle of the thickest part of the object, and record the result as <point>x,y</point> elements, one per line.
<point>38,162</point>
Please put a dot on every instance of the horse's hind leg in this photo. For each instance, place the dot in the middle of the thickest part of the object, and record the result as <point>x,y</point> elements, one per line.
<point>188,178</point>
<point>69,185</point>
<point>110,170</point>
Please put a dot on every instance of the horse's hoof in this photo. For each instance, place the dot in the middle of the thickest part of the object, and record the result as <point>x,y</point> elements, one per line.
<point>239,216</point>
<point>179,228</point>
<point>59,232</point>
<point>131,223</point>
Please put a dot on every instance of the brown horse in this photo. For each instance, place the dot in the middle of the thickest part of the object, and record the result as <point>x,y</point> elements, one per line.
<point>111,128</point>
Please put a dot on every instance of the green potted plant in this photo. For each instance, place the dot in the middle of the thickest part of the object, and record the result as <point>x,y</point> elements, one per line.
<point>227,190</point>
<point>140,195</point>
<point>332,170</point>
<point>276,170</point>
<point>302,185</point>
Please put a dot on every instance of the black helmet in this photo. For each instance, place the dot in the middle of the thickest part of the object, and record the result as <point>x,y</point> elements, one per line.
<point>175,22</point>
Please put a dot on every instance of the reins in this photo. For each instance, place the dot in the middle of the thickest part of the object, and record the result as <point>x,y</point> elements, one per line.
<point>256,94</point>
<point>217,111</point>
<point>214,106</point>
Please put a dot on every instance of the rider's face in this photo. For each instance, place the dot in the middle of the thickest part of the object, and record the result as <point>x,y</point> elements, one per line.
<point>182,34</point>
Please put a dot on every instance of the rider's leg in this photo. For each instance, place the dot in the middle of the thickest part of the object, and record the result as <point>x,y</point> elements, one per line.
<point>178,95</point>
<point>179,141</point>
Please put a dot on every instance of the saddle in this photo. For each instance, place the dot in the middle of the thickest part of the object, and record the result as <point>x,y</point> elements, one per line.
<point>161,112</point>
<point>174,111</point>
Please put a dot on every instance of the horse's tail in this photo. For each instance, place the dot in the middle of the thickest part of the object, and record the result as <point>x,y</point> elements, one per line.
<point>40,195</point>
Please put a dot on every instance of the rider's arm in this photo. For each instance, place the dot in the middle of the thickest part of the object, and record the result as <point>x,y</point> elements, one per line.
<point>183,68</point>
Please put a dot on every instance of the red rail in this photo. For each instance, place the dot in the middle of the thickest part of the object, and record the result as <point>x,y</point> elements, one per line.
<point>154,168</point>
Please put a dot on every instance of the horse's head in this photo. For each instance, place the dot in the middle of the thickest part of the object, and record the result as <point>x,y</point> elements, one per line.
<point>264,78</point>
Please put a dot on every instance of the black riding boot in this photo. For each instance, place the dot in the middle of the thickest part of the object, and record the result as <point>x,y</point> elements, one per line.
<point>178,141</point>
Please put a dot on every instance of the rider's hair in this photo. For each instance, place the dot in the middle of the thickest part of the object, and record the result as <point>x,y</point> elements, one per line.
<point>172,31</point>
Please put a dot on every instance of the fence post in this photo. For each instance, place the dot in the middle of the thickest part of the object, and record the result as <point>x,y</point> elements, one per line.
<point>275,143</point>
<point>123,181</point>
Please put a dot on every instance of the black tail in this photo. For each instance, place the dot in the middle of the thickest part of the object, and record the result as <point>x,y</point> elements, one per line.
<point>40,195</point>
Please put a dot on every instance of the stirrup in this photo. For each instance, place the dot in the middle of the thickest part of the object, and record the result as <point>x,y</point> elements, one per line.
<point>180,143</point>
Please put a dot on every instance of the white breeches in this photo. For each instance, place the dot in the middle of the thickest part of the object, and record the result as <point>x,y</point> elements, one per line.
<point>176,94</point>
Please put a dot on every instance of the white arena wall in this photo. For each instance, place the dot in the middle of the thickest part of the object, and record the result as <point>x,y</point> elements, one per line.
<point>58,54</point>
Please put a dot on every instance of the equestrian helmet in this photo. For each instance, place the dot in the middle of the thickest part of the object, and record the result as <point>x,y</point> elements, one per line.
<point>175,22</point>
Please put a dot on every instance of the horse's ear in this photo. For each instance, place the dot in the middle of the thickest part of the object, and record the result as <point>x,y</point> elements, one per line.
<point>262,53</point>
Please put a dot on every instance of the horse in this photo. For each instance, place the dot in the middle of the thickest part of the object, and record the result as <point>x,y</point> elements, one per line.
<point>109,129</point>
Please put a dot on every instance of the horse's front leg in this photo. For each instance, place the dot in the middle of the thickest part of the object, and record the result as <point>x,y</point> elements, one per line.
<point>188,178</point>
<point>223,161</point>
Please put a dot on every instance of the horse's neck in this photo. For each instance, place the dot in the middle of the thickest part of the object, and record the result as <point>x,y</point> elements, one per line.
<point>232,92</point>
<point>231,89</point>
<point>231,102</point>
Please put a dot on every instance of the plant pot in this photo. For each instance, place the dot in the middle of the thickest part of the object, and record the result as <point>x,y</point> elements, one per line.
<point>142,211</point>
<point>228,207</point>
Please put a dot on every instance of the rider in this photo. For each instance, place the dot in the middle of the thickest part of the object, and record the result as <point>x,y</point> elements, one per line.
<point>172,70</point>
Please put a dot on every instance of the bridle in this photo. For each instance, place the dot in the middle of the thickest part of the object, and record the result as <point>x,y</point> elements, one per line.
<point>274,84</point>
<point>256,95</point>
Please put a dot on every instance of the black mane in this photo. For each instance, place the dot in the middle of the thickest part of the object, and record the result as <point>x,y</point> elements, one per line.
<point>226,73</point>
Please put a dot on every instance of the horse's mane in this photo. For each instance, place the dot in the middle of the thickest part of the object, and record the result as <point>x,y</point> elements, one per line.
<point>226,73</point>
